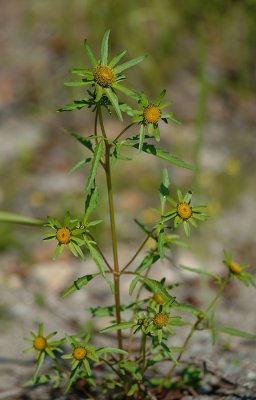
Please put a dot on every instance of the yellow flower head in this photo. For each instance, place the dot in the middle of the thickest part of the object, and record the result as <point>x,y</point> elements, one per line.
<point>79,353</point>
<point>160,320</point>
<point>158,298</point>
<point>40,343</point>
<point>234,267</point>
<point>104,76</point>
<point>63,235</point>
<point>151,114</point>
<point>184,210</point>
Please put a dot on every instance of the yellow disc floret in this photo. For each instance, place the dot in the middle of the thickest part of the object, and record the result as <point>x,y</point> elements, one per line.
<point>234,267</point>
<point>63,235</point>
<point>79,353</point>
<point>40,343</point>
<point>158,298</point>
<point>160,320</point>
<point>184,210</point>
<point>151,114</point>
<point>104,76</point>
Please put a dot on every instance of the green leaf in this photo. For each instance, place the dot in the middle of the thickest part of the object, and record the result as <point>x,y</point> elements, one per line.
<point>95,163</point>
<point>122,325</point>
<point>58,250</point>
<point>78,284</point>
<point>76,105</point>
<point>104,48</point>
<point>96,258</point>
<point>90,202</point>
<point>111,350</point>
<point>78,83</point>
<point>117,58</point>
<point>186,228</point>
<point>148,260</point>
<point>19,219</point>
<point>151,149</point>
<point>187,308</point>
<point>133,285</point>
<point>40,362</point>
<point>80,164</point>
<point>164,188</point>
<point>128,64</point>
<point>236,332</point>
<point>90,54</point>
<point>114,101</point>
<point>85,141</point>
<point>157,288</point>
<point>201,272</point>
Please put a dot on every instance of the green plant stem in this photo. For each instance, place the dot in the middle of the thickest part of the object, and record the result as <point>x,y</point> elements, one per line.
<point>137,252</point>
<point>113,232</point>
<point>123,131</point>
<point>192,330</point>
<point>143,353</point>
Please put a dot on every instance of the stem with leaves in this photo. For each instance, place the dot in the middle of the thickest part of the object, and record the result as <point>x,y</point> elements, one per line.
<point>193,329</point>
<point>113,229</point>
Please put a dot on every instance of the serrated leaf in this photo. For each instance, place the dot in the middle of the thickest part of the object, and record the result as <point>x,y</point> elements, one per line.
<point>122,325</point>
<point>19,219</point>
<point>78,284</point>
<point>95,163</point>
<point>155,151</point>
<point>201,272</point>
<point>236,332</point>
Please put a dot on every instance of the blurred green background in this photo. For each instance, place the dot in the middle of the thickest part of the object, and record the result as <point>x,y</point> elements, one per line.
<point>203,53</point>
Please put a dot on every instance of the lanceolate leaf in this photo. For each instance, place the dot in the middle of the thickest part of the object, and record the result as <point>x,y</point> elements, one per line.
<point>202,272</point>
<point>96,258</point>
<point>148,260</point>
<point>128,64</point>
<point>104,48</point>
<point>95,164</point>
<point>91,202</point>
<point>78,284</point>
<point>236,332</point>
<point>19,219</point>
<point>111,350</point>
<point>155,151</point>
<point>122,325</point>
<point>85,141</point>
<point>157,288</point>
